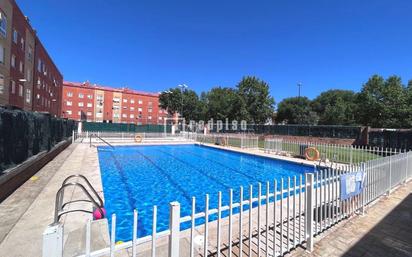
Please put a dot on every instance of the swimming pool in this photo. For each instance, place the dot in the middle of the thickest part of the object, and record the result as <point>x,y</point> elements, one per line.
<point>138,177</point>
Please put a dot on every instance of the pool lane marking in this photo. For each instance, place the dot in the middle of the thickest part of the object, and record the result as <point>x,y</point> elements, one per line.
<point>223,165</point>
<point>199,171</point>
<point>174,183</point>
<point>131,200</point>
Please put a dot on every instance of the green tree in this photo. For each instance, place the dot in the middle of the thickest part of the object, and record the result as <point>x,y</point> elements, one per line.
<point>222,103</point>
<point>171,100</point>
<point>336,107</point>
<point>296,110</point>
<point>383,103</point>
<point>185,102</point>
<point>255,94</point>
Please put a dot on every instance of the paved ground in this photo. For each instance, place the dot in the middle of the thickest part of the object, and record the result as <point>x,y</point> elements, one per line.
<point>29,210</point>
<point>385,231</point>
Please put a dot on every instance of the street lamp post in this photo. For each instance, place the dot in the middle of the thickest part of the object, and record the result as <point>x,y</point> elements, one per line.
<point>182,87</point>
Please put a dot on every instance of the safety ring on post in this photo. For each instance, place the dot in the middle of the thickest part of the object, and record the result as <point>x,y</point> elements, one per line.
<point>312,154</point>
<point>138,138</point>
<point>223,141</point>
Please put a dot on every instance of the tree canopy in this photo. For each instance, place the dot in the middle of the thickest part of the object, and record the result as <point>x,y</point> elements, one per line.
<point>250,100</point>
<point>336,107</point>
<point>259,103</point>
<point>380,103</point>
<point>296,110</point>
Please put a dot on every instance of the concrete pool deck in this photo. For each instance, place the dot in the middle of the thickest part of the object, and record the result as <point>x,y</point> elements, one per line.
<point>27,212</point>
<point>30,209</point>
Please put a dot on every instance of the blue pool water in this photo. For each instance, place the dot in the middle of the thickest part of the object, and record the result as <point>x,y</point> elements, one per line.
<point>138,177</point>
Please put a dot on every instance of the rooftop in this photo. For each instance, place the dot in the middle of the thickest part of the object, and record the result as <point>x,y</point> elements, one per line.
<point>125,90</point>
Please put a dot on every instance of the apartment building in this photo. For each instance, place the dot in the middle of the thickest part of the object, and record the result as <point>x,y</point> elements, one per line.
<point>29,79</point>
<point>91,102</point>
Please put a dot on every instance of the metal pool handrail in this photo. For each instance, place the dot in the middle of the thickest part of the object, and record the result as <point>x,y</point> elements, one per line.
<point>104,141</point>
<point>59,205</point>
<point>88,184</point>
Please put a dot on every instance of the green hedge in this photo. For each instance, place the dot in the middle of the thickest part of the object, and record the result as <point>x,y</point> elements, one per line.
<point>24,134</point>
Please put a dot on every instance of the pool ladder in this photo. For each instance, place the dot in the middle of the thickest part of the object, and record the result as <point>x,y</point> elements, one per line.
<point>104,141</point>
<point>90,193</point>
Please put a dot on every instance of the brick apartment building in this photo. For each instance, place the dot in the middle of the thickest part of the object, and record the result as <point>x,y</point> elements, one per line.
<point>91,102</point>
<point>28,77</point>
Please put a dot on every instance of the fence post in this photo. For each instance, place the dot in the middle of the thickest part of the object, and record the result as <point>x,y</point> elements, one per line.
<point>53,241</point>
<point>72,136</point>
<point>351,154</point>
<point>390,175</point>
<point>174,227</point>
<point>406,168</point>
<point>309,211</point>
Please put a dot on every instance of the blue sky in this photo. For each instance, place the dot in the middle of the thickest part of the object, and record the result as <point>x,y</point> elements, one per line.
<point>153,45</point>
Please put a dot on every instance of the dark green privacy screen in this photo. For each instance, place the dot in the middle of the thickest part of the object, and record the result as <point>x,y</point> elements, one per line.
<point>122,127</point>
<point>24,134</point>
<point>352,132</point>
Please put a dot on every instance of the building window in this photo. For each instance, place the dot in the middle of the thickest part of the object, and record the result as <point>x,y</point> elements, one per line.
<point>38,83</point>
<point>20,90</point>
<point>39,65</point>
<point>69,94</point>
<point>160,118</point>
<point>2,50</point>
<point>1,84</point>
<point>81,95</point>
<point>124,100</point>
<point>89,105</point>
<point>13,60</point>
<point>124,115</point>
<point>30,54</point>
<point>132,101</point>
<point>131,116</point>
<point>90,96</point>
<point>99,98</point>
<point>21,66</point>
<point>140,109</point>
<point>69,112</point>
<point>132,108</point>
<point>89,114</point>
<point>28,96</point>
<point>13,87</point>
<point>15,36</point>
<point>140,102</point>
<point>28,76</point>
<point>69,103</point>
<point>81,104</point>
<point>149,109</point>
<point>150,117</point>
<point>3,24</point>
<point>22,43</point>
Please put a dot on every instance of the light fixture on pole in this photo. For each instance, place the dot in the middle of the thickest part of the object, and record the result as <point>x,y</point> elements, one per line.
<point>182,87</point>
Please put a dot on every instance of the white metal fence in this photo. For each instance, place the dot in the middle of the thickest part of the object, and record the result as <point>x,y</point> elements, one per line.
<point>130,136</point>
<point>241,140</point>
<point>285,213</point>
<point>333,152</point>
